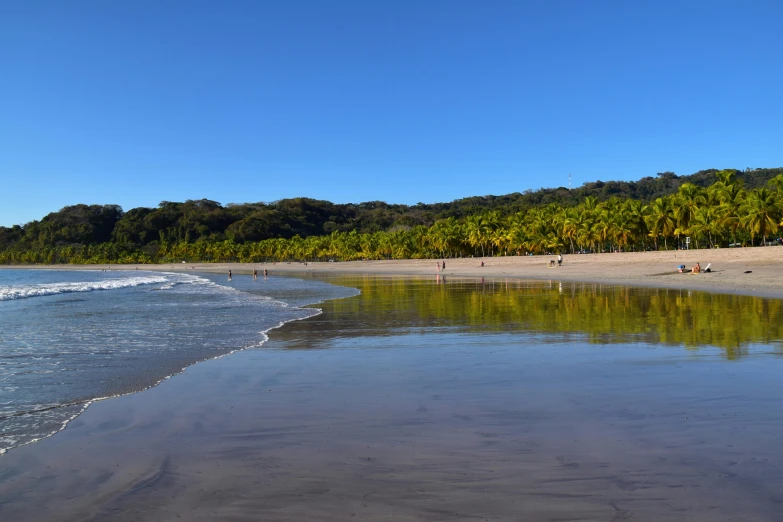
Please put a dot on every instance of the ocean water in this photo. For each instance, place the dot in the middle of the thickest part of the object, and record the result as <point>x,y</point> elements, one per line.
<point>68,338</point>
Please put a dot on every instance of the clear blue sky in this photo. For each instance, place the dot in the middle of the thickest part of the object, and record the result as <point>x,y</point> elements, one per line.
<point>136,102</point>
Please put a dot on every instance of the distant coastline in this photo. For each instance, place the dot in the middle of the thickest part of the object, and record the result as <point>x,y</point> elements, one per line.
<point>747,271</point>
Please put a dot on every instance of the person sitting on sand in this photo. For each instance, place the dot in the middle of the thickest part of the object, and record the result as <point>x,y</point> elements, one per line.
<point>696,269</point>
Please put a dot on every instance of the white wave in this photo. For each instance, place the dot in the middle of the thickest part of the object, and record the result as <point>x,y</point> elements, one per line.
<point>25,291</point>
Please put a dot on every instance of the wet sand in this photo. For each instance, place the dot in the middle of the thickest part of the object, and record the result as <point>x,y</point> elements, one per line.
<point>364,414</point>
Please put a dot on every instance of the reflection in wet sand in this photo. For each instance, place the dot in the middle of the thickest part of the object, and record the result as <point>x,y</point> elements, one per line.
<point>580,311</point>
<point>463,401</point>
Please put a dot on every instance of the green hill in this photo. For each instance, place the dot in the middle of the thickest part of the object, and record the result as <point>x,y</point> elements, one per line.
<point>143,231</point>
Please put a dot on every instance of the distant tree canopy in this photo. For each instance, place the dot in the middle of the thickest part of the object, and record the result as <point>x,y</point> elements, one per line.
<point>82,224</point>
<point>713,206</point>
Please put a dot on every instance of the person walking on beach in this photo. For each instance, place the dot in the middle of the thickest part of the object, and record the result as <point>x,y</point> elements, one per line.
<point>229,275</point>
<point>265,273</point>
<point>437,266</point>
<point>444,266</point>
<point>559,259</point>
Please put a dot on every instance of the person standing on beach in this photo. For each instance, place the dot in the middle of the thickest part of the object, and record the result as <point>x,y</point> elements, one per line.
<point>444,266</point>
<point>229,275</point>
<point>265,273</point>
<point>559,259</point>
<point>255,274</point>
<point>437,266</point>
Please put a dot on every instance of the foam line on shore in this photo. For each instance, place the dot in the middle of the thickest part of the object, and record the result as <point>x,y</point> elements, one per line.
<point>86,403</point>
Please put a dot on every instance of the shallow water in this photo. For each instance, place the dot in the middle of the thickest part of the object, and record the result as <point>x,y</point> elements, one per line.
<point>70,337</point>
<point>579,312</point>
<point>471,401</point>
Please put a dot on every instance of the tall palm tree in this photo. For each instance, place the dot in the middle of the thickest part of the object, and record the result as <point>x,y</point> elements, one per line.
<point>636,213</point>
<point>474,229</point>
<point>777,182</point>
<point>689,200</point>
<point>704,222</point>
<point>728,177</point>
<point>731,198</point>
<point>661,220</point>
<point>760,214</point>
<point>570,225</point>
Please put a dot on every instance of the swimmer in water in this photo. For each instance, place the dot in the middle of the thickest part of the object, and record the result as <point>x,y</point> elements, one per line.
<point>229,275</point>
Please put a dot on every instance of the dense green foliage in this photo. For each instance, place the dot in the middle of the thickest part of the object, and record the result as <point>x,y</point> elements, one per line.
<point>715,208</point>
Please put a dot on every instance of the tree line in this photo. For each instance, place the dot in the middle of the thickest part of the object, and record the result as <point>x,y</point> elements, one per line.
<point>725,213</point>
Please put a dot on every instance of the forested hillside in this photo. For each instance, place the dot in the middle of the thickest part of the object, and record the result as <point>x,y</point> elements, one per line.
<point>714,207</point>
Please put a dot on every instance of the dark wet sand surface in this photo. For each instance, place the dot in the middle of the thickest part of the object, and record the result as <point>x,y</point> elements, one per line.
<point>361,414</point>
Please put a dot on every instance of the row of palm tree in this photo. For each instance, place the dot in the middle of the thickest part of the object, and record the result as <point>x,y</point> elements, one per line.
<point>721,215</point>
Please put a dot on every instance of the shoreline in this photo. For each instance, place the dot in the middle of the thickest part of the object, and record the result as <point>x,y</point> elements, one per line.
<point>285,434</point>
<point>313,305</point>
<point>743,271</point>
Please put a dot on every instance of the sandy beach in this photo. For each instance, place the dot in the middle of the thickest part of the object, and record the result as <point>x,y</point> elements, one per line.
<point>745,271</point>
<point>376,410</point>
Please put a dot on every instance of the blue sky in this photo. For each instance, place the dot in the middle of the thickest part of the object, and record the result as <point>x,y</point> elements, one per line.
<point>138,102</point>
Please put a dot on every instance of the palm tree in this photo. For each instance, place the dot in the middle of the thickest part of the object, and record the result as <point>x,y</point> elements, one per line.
<point>661,220</point>
<point>636,213</point>
<point>704,222</point>
<point>777,182</point>
<point>760,214</point>
<point>499,238</point>
<point>731,198</point>
<point>727,178</point>
<point>568,225</point>
<point>689,199</point>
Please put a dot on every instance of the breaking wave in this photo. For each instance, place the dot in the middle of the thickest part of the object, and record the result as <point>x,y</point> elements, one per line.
<point>8,293</point>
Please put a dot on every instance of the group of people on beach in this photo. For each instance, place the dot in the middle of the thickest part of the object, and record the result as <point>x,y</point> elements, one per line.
<point>255,274</point>
<point>695,270</point>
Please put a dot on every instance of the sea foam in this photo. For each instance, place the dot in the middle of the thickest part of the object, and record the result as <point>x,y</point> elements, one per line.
<point>25,291</point>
